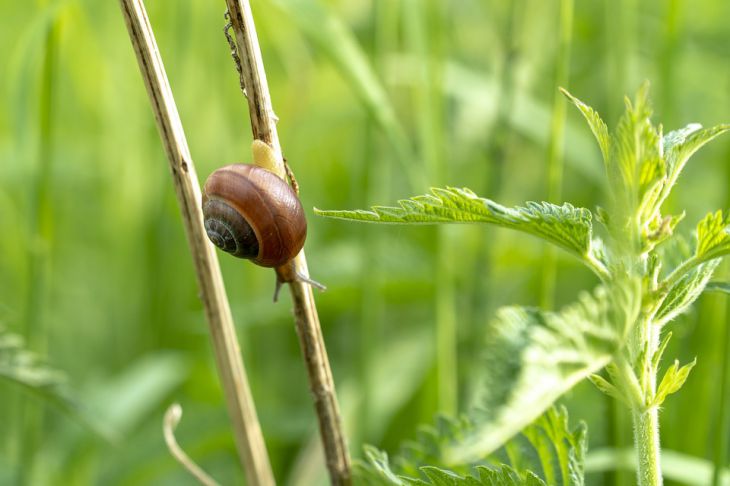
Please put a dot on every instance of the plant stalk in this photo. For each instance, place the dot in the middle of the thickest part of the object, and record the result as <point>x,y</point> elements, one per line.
<point>263,126</point>
<point>646,435</point>
<point>645,414</point>
<point>249,439</point>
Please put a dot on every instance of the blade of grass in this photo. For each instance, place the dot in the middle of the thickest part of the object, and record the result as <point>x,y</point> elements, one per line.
<point>377,174</point>
<point>556,144</point>
<point>335,40</point>
<point>263,126</point>
<point>723,410</point>
<point>423,33</point>
<point>40,236</point>
<point>249,439</point>
<point>668,65</point>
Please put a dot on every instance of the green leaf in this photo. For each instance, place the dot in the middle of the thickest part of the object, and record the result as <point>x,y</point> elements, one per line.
<point>681,144</point>
<point>713,237</point>
<point>635,165</point>
<point>606,387</point>
<point>598,127</point>
<point>718,287</point>
<point>565,226</point>
<point>547,445</point>
<point>656,358</point>
<point>533,357</point>
<point>375,470</point>
<point>684,292</point>
<point>673,380</point>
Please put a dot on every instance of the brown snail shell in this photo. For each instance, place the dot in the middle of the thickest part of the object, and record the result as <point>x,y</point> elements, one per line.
<point>251,213</point>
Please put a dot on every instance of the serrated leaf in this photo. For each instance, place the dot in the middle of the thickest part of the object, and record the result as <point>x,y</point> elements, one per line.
<point>565,226</point>
<point>718,287</point>
<point>548,444</point>
<point>635,163</point>
<point>597,125</point>
<point>673,380</point>
<point>684,292</point>
<point>561,455</point>
<point>533,357</point>
<point>713,236</point>
<point>375,470</point>
<point>681,144</point>
<point>442,477</point>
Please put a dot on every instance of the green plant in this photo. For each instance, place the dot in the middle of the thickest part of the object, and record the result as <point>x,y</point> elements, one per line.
<point>548,445</point>
<point>535,356</point>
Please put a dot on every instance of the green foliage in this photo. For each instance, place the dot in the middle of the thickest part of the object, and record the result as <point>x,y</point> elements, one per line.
<point>673,380</point>
<point>597,125</point>
<point>635,156</point>
<point>566,226</point>
<point>532,357</point>
<point>681,144</point>
<point>546,453</point>
<point>608,388</point>
<point>713,237</point>
<point>684,292</point>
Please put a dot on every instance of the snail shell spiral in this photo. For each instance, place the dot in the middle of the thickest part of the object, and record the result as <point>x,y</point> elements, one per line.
<point>251,213</point>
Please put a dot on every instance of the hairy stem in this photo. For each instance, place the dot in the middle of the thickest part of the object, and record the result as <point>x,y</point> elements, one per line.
<point>646,414</point>
<point>646,436</point>
<point>263,126</point>
<point>249,439</point>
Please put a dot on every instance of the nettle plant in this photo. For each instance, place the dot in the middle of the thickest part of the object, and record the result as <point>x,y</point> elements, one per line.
<point>648,274</point>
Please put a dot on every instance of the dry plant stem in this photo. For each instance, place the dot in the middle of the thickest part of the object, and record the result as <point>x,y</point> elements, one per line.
<point>169,424</point>
<point>263,125</point>
<point>250,442</point>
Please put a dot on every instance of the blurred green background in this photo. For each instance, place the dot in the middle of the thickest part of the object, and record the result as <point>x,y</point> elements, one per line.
<point>377,100</point>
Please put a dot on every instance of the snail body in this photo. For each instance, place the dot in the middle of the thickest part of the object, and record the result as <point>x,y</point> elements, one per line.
<point>252,213</point>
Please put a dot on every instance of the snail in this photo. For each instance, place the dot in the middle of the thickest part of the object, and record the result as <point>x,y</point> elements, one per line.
<point>251,212</point>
